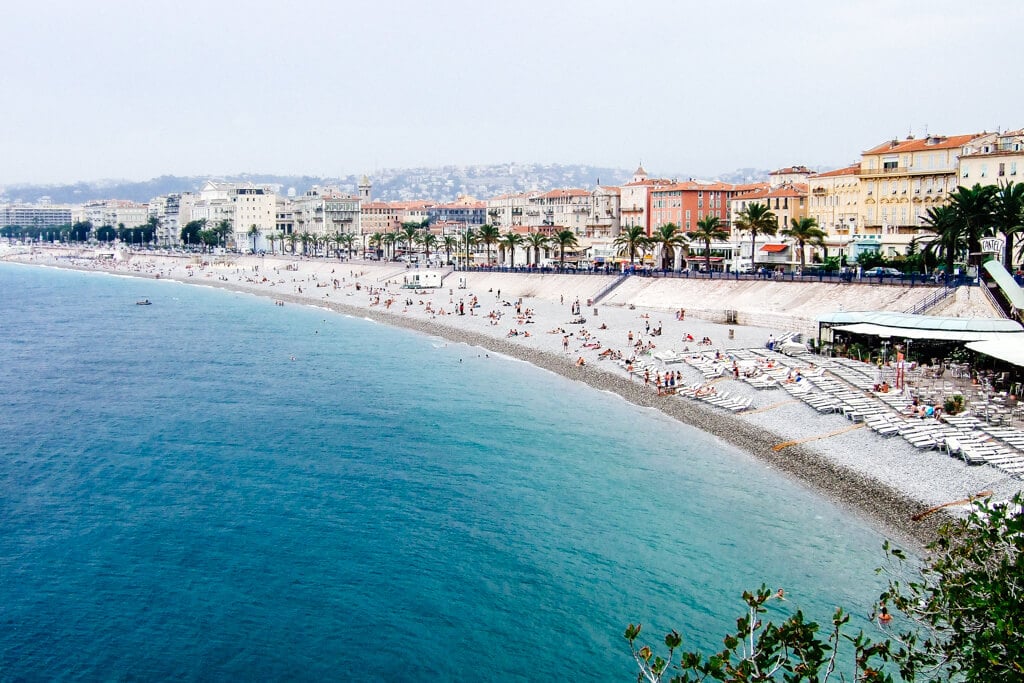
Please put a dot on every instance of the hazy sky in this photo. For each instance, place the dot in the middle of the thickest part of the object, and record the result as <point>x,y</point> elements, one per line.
<point>136,89</point>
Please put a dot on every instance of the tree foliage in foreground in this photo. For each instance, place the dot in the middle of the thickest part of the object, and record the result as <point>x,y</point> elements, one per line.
<point>960,617</point>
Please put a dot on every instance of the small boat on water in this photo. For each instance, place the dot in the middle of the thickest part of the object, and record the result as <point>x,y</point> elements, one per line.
<point>143,302</point>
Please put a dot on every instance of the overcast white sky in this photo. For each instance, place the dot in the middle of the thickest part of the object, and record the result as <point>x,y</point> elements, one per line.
<point>135,89</point>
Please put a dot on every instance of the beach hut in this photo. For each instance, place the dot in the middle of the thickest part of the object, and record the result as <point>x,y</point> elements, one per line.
<point>427,279</point>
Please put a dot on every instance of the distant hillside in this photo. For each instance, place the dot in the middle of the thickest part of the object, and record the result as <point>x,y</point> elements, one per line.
<point>442,183</point>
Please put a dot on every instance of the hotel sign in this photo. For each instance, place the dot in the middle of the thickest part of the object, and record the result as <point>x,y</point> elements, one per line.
<point>992,245</point>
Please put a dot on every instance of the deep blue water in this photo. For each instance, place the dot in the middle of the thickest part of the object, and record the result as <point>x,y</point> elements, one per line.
<point>179,499</point>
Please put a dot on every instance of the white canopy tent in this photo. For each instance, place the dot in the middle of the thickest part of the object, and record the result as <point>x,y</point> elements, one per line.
<point>1008,350</point>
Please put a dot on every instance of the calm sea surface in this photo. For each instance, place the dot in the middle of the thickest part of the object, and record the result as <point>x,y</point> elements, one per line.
<point>180,499</point>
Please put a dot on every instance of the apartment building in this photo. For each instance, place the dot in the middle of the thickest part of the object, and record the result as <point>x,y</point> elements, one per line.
<point>688,202</point>
<point>166,210</point>
<point>993,159</point>
<point>244,205</point>
<point>465,210</point>
<point>506,211</point>
<point>563,209</point>
<point>322,211</point>
<point>635,200</point>
<point>605,213</point>
<point>113,212</point>
<point>900,180</point>
<point>834,203</point>
<point>35,215</point>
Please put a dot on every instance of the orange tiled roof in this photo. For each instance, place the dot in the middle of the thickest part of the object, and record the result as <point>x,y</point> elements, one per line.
<point>852,169</point>
<point>791,169</point>
<point>922,144</point>
<point>695,186</point>
<point>567,192</point>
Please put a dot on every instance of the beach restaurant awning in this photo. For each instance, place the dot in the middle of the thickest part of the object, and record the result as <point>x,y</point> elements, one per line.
<point>885,331</point>
<point>1009,350</point>
<point>774,248</point>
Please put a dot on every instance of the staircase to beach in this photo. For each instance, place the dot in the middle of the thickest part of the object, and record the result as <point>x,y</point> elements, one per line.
<point>608,289</point>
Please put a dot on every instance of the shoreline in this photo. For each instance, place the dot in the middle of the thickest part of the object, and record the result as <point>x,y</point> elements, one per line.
<point>886,506</point>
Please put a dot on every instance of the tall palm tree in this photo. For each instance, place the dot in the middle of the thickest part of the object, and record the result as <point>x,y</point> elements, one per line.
<point>377,242</point>
<point>253,233</point>
<point>669,238</point>
<point>388,240</point>
<point>536,241</point>
<point>757,220</point>
<point>469,239</point>
<point>450,243</point>
<point>1008,217</point>
<point>804,231</point>
<point>409,233</point>
<point>510,241</point>
<point>974,213</point>
<point>223,230</point>
<point>709,229</point>
<point>489,235</point>
<point>272,239</point>
<point>305,238</point>
<point>948,242</point>
<point>346,240</point>
<point>429,241</point>
<point>564,238</point>
<point>291,238</point>
<point>631,240</point>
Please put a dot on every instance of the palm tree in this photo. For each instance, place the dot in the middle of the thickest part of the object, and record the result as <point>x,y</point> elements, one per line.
<point>429,241</point>
<point>757,220</point>
<point>377,242</point>
<point>1008,217</point>
<point>409,234</point>
<point>489,235</point>
<point>803,231</point>
<point>668,237</point>
<point>709,229</point>
<point>536,241</point>
<point>388,239</point>
<point>291,238</point>
<point>948,242</point>
<point>223,230</point>
<point>346,240</point>
<point>450,243</point>
<point>254,232</point>
<point>469,239</point>
<point>509,242</point>
<point>564,238</point>
<point>305,238</point>
<point>973,210</point>
<point>272,239</point>
<point>631,240</point>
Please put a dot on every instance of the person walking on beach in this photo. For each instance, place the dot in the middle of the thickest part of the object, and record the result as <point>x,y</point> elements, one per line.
<point>565,343</point>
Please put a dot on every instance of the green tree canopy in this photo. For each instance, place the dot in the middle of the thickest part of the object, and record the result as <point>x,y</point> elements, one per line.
<point>669,238</point>
<point>631,240</point>
<point>757,220</point>
<point>959,617</point>
<point>709,229</point>
<point>805,230</point>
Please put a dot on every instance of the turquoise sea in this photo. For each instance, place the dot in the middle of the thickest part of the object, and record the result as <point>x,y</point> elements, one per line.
<point>181,500</point>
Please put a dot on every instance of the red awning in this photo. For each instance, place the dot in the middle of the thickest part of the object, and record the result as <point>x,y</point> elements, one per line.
<point>774,248</point>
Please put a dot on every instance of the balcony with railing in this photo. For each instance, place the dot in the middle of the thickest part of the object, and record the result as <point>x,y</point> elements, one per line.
<point>904,171</point>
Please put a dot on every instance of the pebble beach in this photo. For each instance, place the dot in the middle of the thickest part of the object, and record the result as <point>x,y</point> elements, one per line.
<point>545,319</point>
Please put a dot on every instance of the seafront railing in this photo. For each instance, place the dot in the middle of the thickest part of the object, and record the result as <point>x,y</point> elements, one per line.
<point>930,301</point>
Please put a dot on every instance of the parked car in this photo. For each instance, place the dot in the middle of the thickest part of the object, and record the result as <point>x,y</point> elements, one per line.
<point>878,270</point>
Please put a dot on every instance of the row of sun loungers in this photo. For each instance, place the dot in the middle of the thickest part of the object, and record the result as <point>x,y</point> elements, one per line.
<point>843,386</point>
